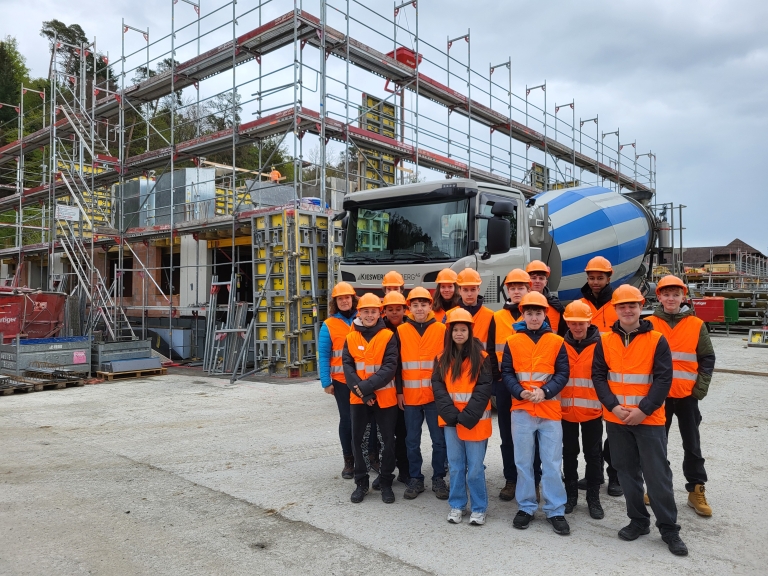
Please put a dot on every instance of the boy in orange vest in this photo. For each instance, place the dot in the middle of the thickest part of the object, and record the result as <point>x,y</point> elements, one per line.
<point>469,282</point>
<point>370,362</point>
<point>597,293</point>
<point>420,340</point>
<point>539,273</point>
<point>632,373</point>
<point>462,383</point>
<point>693,359</point>
<point>581,410</point>
<point>535,369</point>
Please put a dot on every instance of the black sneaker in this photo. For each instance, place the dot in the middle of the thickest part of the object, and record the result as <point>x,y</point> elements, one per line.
<point>633,532</point>
<point>675,544</point>
<point>572,495</point>
<point>387,495</point>
<point>582,484</point>
<point>559,525</point>
<point>614,488</point>
<point>522,520</point>
<point>376,483</point>
<point>593,503</point>
<point>440,488</point>
<point>360,491</point>
<point>415,487</point>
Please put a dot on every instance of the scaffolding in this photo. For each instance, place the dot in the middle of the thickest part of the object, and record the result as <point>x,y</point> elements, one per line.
<point>127,206</point>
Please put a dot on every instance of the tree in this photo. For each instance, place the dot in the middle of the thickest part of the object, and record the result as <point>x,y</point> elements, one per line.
<point>13,72</point>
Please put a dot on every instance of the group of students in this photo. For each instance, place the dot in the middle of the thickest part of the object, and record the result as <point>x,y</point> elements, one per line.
<point>556,373</point>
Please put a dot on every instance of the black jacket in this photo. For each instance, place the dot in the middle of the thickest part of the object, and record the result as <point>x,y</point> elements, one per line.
<point>662,371</point>
<point>602,299</point>
<point>559,378</point>
<point>383,375</point>
<point>473,411</point>
<point>421,327</point>
<point>555,303</point>
<point>514,310</point>
<point>593,335</point>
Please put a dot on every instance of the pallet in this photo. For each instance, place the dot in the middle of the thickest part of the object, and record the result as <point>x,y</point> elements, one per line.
<point>40,386</point>
<point>13,389</point>
<point>109,376</point>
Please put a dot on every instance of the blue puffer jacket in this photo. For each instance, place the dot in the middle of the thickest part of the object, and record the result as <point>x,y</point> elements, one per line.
<point>325,348</point>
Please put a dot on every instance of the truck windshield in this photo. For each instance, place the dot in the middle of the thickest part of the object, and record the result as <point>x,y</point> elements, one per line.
<point>417,232</point>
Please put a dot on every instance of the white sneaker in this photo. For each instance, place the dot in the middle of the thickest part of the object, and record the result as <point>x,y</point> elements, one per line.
<point>477,518</point>
<point>454,517</point>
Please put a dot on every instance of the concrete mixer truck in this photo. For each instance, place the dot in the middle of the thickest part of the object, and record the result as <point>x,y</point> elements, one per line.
<point>419,229</point>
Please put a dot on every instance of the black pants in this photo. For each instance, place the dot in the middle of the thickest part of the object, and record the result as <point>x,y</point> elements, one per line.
<point>641,452</point>
<point>688,420</point>
<point>504,415</point>
<point>401,452</point>
<point>386,420</point>
<point>591,440</point>
<point>607,458</point>
<point>341,394</point>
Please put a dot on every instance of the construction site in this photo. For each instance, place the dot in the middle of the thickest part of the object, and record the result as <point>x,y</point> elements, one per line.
<point>182,209</point>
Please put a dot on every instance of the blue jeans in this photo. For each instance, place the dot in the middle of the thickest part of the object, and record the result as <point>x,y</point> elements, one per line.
<point>525,430</point>
<point>467,471</point>
<point>414,418</point>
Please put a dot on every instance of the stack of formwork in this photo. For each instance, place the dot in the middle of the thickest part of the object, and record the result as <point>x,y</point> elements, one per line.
<point>377,169</point>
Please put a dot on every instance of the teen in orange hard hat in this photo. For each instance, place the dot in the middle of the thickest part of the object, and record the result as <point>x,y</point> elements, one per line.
<point>469,282</point>
<point>370,362</point>
<point>632,373</point>
<point>693,360</point>
<point>539,274</point>
<point>446,294</point>
<point>333,333</point>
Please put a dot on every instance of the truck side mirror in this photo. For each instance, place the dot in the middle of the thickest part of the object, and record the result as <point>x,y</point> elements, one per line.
<point>498,233</point>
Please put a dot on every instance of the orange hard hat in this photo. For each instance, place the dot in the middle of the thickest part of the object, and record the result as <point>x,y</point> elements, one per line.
<point>626,293</point>
<point>369,300</point>
<point>537,266</point>
<point>417,292</point>
<point>392,299</point>
<point>578,311</point>
<point>342,289</point>
<point>669,281</point>
<point>534,299</point>
<point>446,276</point>
<point>458,315</point>
<point>599,264</point>
<point>469,277</point>
<point>393,279</point>
<point>518,275</point>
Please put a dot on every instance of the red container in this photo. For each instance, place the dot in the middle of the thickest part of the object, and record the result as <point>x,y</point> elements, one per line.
<point>710,308</point>
<point>405,56</point>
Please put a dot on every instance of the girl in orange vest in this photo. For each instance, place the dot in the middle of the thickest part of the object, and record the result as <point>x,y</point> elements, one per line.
<point>370,361</point>
<point>582,411</point>
<point>462,385</point>
<point>446,294</point>
<point>330,344</point>
<point>534,368</point>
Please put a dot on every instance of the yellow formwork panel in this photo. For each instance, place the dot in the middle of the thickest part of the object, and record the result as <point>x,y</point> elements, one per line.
<point>278,316</point>
<point>275,283</point>
<point>278,333</point>
<point>277,268</point>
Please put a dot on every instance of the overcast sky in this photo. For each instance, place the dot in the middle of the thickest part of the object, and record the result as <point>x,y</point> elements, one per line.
<point>685,79</point>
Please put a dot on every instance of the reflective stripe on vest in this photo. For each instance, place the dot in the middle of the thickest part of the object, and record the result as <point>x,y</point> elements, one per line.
<point>482,324</point>
<point>683,340</point>
<point>504,321</point>
<point>604,318</point>
<point>460,391</point>
<point>368,356</point>
<point>630,372</point>
<point>338,330</point>
<point>417,360</point>
<point>579,398</point>
<point>534,365</point>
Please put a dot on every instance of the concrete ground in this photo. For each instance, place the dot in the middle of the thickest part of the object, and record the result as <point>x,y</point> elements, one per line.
<point>188,475</point>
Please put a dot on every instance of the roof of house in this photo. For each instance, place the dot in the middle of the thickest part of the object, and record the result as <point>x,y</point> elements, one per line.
<point>701,255</point>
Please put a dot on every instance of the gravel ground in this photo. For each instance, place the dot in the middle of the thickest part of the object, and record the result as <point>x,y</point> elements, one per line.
<point>186,475</point>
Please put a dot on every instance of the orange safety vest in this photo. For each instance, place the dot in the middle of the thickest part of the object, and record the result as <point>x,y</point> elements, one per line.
<point>604,318</point>
<point>630,372</point>
<point>338,329</point>
<point>368,357</point>
<point>460,391</point>
<point>482,324</point>
<point>534,365</point>
<point>554,319</point>
<point>578,400</point>
<point>683,340</point>
<point>504,330</point>
<point>417,354</point>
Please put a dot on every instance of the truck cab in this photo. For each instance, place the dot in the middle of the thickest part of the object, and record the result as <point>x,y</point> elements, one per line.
<point>420,229</point>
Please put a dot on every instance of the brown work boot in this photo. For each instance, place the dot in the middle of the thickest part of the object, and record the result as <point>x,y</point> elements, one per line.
<point>349,468</point>
<point>698,501</point>
<point>508,492</point>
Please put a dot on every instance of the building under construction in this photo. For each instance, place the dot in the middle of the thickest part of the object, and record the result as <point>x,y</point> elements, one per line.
<point>131,195</point>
